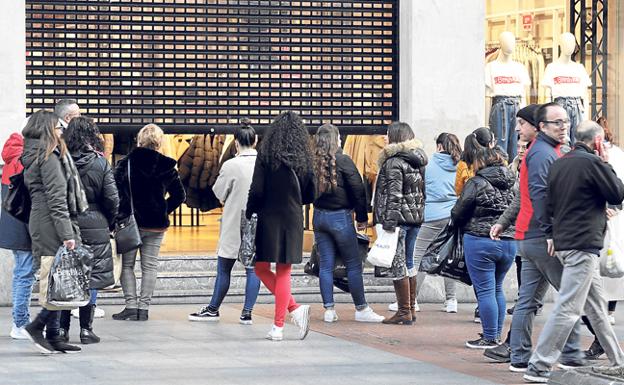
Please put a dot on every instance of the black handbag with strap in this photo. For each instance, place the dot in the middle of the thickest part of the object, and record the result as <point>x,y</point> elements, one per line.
<point>127,236</point>
<point>17,200</point>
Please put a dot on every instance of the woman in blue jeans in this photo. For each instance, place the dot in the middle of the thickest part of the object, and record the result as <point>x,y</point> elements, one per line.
<point>340,191</point>
<point>232,189</point>
<point>482,201</point>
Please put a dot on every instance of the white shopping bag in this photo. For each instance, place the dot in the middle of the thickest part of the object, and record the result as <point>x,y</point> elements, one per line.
<point>612,259</point>
<point>385,246</point>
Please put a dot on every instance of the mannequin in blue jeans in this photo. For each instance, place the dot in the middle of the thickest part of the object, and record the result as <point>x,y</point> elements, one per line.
<point>340,192</point>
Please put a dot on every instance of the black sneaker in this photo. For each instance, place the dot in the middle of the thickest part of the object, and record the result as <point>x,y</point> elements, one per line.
<point>477,316</point>
<point>245,318</point>
<point>481,343</point>
<point>573,364</point>
<point>519,367</point>
<point>511,310</point>
<point>64,347</point>
<point>36,336</point>
<point>595,351</point>
<point>205,314</point>
<point>501,353</point>
<point>534,376</point>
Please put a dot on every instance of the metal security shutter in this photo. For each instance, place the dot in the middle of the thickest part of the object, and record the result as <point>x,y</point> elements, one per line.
<point>193,65</point>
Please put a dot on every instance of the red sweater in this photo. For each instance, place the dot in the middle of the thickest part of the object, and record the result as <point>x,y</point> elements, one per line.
<point>11,153</point>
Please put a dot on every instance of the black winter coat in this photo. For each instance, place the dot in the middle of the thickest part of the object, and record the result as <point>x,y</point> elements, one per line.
<point>400,186</point>
<point>580,185</point>
<point>153,176</point>
<point>275,197</point>
<point>349,192</point>
<point>482,201</point>
<point>95,223</point>
<point>49,223</point>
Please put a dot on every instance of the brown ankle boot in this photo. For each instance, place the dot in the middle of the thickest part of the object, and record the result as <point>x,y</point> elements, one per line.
<point>412,291</point>
<point>403,316</point>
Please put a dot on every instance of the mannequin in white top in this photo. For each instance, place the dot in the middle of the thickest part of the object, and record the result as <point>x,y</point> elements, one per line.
<point>566,78</point>
<point>504,76</point>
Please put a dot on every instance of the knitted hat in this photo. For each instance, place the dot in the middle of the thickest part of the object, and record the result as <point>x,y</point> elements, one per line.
<point>528,113</point>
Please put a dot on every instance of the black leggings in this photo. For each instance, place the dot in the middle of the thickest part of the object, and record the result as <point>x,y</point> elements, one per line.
<point>612,305</point>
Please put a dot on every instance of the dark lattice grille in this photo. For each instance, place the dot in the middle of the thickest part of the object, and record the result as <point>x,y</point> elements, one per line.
<point>188,64</point>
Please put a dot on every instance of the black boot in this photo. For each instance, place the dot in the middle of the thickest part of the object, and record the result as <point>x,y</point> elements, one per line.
<point>35,332</point>
<point>126,314</point>
<point>86,325</point>
<point>142,315</point>
<point>65,323</point>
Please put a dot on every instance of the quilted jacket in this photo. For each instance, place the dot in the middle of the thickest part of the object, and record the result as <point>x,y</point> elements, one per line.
<point>400,187</point>
<point>483,199</point>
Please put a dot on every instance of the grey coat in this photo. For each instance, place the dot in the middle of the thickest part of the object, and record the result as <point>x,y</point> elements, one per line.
<point>50,223</point>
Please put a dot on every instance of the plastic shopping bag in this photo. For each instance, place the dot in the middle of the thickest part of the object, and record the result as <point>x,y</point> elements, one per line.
<point>247,250</point>
<point>68,282</point>
<point>445,256</point>
<point>612,259</point>
<point>385,246</point>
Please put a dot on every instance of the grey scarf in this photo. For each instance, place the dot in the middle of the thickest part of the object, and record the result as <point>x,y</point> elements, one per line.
<point>76,197</point>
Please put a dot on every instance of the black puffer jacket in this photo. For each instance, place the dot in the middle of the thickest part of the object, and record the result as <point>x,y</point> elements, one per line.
<point>483,199</point>
<point>400,187</point>
<point>99,185</point>
<point>153,178</point>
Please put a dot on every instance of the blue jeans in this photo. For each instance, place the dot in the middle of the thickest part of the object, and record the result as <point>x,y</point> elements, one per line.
<point>411,234</point>
<point>23,280</point>
<point>334,234</point>
<point>93,296</point>
<point>503,123</point>
<point>488,262</point>
<point>222,284</point>
<point>539,271</point>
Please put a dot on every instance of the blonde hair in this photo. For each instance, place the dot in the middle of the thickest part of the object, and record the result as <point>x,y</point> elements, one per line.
<point>150,136</point>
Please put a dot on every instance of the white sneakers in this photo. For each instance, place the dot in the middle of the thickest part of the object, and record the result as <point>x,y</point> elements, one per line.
<point>393,306</point>
<point>368,315</point>
<point>98,313</point>
<point>276,333</point>
<point>450,305</point>
<point>18,333</point>
<point>301,318</point>
<point>330,316</point>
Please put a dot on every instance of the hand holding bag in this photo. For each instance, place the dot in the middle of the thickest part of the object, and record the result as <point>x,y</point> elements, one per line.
<point>17,200</point>
<point>247,250</point>
<point>127,234</point>
<point>385,246</point>
<point>612,258</point>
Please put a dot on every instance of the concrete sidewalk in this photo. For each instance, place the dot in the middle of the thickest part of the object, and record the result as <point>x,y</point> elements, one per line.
<point>168,349</point>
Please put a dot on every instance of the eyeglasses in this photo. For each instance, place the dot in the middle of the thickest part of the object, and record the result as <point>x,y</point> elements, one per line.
<point>559,123</point>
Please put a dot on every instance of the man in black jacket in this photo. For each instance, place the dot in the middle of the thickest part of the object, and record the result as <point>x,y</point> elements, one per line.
<point>579,187</point>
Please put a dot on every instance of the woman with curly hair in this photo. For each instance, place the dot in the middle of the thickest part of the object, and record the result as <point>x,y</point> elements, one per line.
<point>340,190</point>
<point>283,181</point>
<point>86,148</point>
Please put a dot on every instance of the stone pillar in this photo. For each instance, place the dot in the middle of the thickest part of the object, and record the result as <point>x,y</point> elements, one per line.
<point>12,100</point>
<point>442,60</point>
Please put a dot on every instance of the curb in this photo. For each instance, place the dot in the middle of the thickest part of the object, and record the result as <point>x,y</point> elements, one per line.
<point>585,376</point>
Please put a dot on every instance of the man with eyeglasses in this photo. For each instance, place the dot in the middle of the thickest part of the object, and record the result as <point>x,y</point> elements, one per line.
<point>539,269</point>
<point>577,207</point>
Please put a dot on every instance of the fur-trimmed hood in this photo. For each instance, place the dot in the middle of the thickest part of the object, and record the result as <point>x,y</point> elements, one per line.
<point>411,151</point>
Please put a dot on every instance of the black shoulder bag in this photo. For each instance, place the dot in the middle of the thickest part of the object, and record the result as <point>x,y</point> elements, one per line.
<point>127,234</point>
<point>17,200</point>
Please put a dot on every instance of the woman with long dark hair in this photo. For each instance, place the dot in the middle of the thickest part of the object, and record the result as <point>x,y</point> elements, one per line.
<point>85,144</point>
<point>57,199</point>
<point>340,191</point>
<point>482,201</point>
<point>400,202</point>
<point>480,138</point>
<point>283,181</point>
<point>232,189</point>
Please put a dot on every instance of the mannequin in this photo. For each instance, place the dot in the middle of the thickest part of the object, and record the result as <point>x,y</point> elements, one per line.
<point>566,83</point>
<point>506,87</point>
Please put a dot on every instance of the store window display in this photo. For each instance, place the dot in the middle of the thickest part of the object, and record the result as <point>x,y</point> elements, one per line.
<point>566,82</point>
<point>506,84</point>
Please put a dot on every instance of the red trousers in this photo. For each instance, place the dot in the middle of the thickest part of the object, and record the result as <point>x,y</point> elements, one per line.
<point>278,283</point>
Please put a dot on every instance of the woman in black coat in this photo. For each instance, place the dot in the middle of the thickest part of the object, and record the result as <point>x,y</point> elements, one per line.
<point>283,181</point>
<point>154,190</point>
<point>85,145</point>
<point>56,201</point>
